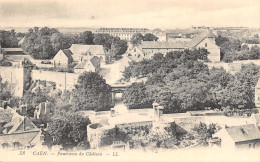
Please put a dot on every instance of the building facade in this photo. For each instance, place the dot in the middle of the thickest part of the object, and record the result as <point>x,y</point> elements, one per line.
<point>122,33</point>
<point>205,40</point>
<point>239,137</point>
<point>62,59</point>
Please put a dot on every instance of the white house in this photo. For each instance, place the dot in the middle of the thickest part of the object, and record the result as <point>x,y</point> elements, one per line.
<point>91,65</point>
<point>62,59</point>
<point>239,137</point>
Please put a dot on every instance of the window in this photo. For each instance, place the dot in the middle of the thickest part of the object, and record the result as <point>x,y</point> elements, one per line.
<point>5,145</point>
<point>206,44</point>
<point>16,145</point>
<point>252,145</point>
<point>134,50</point>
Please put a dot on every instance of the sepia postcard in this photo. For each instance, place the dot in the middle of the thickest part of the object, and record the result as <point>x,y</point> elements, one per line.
<point>130,80</point>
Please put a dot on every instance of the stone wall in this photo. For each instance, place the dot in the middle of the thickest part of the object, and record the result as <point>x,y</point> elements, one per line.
<point>63,80</point>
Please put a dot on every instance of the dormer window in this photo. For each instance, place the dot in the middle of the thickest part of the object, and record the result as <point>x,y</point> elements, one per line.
<point>16,144</point>
<point>5,145</point>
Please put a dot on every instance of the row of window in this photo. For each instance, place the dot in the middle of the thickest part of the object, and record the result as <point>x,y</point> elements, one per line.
<point>121,31</point>
<point>16,145</point>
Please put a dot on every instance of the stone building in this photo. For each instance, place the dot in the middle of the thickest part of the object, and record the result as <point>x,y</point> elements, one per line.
<point>122,33</point>
<point>205,40</point>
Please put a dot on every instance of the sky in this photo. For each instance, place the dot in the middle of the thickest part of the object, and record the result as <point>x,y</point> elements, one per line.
<point>164,14</point>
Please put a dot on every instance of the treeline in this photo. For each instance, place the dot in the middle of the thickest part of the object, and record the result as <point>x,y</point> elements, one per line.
<point>180,82</point>
<point>232,49</point>
<point>44,43</point>
<point>137,38</point>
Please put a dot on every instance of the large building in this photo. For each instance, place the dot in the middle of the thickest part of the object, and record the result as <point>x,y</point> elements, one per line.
<point>122,33</point>
<point>205,40</point>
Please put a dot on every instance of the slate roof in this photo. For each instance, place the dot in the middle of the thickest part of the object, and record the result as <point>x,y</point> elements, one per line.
<point>94,60</point>
<point>195,41</point>
<point>20,124</point>
<point>84,49</point>
<point>178,45</point>
<point>12,49</point>
<point>243,132</point>
<point>68,53</point>
<point>18,58</point>
<point>155,44</point>
<point>24,138</point>
<point>81,65</point>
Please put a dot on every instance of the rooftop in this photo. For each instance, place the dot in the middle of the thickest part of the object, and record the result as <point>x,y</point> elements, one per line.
<point>12,49</point>
<point>178,45</point>
<point>86,49</point>
<point>68,53</point>
<point>155,44</point>
<point>243,132</point>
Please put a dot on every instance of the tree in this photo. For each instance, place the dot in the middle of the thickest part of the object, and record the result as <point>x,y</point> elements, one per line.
<point>8,39</point>
<point>118,47</point>
<point>38,43</point>
<point>254,53</point>
<point>137,38</point>
<point>86,38</point>
<point>59,41</point>
<point>69,130</point>
<point>103,39</point>
<point>135,96</point>
<point>92,93</point>
<point>150,37</point>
